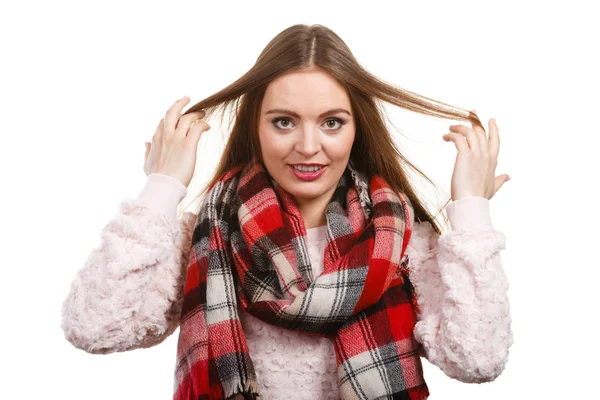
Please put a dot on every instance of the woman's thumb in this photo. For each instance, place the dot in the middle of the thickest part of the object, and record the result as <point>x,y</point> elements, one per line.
<point>195,134</point>
<point>499,181</point>
<point>148,147</point>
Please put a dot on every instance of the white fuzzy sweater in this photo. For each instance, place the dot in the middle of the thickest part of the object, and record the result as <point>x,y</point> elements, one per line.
<point>128,295</point>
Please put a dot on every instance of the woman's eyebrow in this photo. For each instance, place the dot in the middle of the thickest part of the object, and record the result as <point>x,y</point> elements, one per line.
<point>293,114</point>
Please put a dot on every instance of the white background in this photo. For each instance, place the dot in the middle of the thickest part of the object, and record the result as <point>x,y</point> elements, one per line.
<point>83,85</point>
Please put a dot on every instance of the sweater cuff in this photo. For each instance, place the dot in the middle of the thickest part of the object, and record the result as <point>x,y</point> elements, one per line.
<point>163,193</point>
<point>471,213</point>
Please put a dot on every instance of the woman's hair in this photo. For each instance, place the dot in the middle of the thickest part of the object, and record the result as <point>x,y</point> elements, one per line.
<point>302,47</point>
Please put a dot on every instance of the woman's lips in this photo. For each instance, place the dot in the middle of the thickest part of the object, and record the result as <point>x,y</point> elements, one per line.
<point>307,176</point>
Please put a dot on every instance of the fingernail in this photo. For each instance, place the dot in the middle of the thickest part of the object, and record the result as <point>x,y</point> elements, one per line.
<point>507,178</point>
<point>184,97</point>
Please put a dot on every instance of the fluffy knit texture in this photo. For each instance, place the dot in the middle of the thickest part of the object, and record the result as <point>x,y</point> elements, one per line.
<point>128,294</point>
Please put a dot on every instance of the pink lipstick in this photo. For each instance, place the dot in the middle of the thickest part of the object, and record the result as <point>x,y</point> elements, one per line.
<point>308,176</point>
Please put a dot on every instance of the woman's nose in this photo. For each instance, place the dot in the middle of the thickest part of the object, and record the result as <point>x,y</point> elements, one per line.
<point>309,142</point>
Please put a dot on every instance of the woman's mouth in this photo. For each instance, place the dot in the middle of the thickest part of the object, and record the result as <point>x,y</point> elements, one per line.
<point>307,173</point>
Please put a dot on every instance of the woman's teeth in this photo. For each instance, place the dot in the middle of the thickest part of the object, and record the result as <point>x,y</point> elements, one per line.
<point>307,169</point>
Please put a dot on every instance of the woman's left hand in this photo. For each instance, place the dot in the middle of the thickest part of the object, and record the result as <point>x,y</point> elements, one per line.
<point>474,170</point>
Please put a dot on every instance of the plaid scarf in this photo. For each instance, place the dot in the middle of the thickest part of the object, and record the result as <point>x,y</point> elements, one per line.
<point>249,250</point>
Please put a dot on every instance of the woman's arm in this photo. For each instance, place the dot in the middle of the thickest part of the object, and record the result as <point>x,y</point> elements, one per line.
<point>461,288</point>
<point>128,293</point>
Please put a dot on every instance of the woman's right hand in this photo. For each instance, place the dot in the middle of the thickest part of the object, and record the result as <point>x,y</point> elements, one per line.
<point>174,144</point>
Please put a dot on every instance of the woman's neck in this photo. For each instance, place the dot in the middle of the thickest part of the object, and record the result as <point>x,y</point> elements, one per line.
<point>313,211</point>
<point>312,219</point>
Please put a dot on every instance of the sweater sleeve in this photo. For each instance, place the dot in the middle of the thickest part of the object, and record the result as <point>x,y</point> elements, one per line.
<point>128,293</point>
<point>461,289</point>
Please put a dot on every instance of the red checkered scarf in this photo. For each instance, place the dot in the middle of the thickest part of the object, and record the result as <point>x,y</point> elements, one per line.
<point>249,250</point>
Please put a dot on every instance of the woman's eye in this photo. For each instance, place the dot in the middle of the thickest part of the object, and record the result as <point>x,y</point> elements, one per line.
<point>334,120</point>
<point>285,125</point>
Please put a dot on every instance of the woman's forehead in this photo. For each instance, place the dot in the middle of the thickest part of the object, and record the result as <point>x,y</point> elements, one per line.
<point>310,92</point>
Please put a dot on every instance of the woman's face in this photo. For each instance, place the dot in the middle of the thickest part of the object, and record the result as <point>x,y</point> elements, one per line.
<point>306,119</point>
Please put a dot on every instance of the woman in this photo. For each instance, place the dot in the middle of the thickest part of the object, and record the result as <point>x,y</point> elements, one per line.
<point>310,269</point>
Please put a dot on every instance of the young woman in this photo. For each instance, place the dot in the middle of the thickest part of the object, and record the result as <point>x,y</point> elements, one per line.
<point>311,268</point>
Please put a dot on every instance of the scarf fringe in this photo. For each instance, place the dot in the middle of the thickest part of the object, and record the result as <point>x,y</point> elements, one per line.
<point>249,390</point>
<point>360,182</point>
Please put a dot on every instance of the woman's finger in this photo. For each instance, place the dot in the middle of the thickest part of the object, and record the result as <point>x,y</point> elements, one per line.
<point>498,182</point>
<point>471,136</point>
<point>494,141</point>
<point>459,141</point>
<point>476,127</point>
<point>483,137</point>
<point>173,114</point>
<point>146,166</point>
<point>186,122</point>
<point>196,130</point>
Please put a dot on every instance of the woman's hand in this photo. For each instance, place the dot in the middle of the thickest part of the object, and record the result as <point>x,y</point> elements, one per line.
<point>474,170</point>
<point>173,148</point>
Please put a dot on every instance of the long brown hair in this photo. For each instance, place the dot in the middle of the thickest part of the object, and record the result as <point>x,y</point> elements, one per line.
<point>302,47</point>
